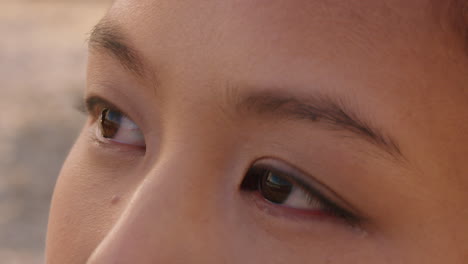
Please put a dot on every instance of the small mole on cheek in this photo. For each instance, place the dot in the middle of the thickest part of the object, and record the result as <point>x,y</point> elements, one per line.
<point>115,199</point>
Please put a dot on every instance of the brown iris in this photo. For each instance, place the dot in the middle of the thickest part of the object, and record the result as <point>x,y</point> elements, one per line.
<point>110,123</point>
<point>274,187</point>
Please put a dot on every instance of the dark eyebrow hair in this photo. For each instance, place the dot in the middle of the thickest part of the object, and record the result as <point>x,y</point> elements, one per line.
<point>320,109</point>
<point>109,37</point>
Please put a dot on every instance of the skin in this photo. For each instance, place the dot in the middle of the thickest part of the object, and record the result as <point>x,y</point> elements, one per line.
<point>392,63</point>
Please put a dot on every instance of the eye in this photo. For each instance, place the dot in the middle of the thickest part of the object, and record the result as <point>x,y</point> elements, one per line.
<point>287,191</point>
<point>115,126</point>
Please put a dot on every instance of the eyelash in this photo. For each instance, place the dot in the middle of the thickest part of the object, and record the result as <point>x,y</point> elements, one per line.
<point>253,176</point>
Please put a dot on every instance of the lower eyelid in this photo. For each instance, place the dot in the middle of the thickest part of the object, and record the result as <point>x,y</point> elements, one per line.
<point>281,213</point>
<point>113,147</point>
<point>299,224</point>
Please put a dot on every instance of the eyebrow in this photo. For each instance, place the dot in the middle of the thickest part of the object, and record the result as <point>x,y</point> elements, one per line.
<point>108,37</point>
<point>321,109</point>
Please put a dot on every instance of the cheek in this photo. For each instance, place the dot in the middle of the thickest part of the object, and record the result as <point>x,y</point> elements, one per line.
<point>86,203</point>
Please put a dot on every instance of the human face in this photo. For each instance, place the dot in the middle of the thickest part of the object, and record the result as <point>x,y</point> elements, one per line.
<point>268,132</point>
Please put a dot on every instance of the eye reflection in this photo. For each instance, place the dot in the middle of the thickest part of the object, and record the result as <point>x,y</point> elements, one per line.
<point>274,188</point>
<point>283,190</point>
<point>110,123</point>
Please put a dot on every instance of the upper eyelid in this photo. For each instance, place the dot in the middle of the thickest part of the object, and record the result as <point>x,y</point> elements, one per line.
<point>92,102</point>
<point>297,180</point>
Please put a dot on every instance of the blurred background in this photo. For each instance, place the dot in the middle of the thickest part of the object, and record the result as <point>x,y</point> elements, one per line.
<point>42,74</point>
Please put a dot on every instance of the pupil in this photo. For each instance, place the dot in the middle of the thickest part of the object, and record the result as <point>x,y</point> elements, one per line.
<point>110,123</point>
<point>275,188</point>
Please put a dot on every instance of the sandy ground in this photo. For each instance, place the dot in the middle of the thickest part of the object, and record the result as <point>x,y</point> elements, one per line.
<point>42,72</point>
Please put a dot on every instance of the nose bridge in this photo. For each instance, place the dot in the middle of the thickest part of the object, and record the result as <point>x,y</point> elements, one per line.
<point>174,214</point>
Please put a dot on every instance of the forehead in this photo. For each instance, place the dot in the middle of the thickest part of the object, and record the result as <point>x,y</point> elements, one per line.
<point>307,36</point>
